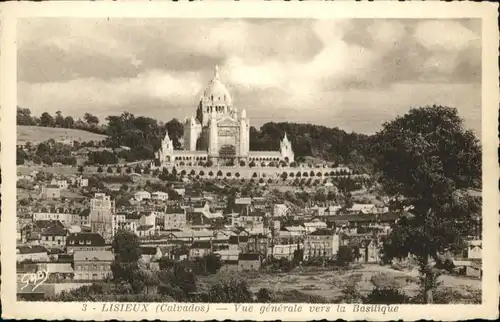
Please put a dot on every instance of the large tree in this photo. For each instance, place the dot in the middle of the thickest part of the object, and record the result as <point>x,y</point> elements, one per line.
<point>59,119</point>
<point>126,246</point>
<point>430,160</point>
<point>91,120</point>
<point>46,120</point>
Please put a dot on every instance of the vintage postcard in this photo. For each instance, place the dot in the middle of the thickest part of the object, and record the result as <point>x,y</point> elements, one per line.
<point>249,161</point>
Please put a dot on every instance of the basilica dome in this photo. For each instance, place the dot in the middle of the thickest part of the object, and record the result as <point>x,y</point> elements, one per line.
<point>216,93</point>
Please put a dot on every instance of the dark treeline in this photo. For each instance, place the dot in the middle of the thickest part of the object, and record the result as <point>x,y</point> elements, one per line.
<point>89,123</point>
<point>330,144</point>
<point>144,134</point>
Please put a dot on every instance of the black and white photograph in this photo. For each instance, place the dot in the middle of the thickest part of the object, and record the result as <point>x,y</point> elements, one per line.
<point>249,160</point>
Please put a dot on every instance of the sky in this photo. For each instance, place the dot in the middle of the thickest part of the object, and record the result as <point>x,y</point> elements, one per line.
<point>354,74</point>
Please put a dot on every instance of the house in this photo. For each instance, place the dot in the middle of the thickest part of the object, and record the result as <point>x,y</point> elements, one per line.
<point>149,254</point>
<point>367,222</point>
<point>239,242</point>
<point>62,183</point>
<point>148,219</point>
<point>228,255</point>
<point>54,236</point>
<point>35,253</point>
<point>200,248</point>
<point>240,231</point>
<point>250,216</point>
<point>84,242</point>
<point>179,189</point>
<point>322,243</point>
<point>363,208</point>
<point>369,247</point>
<point>332,210</point>
<point>59,271</point>
<point>85,217</point>
<point>51,192</point>
<point>241,204</point>
<point>146,231</point>
<point>280,210</point>
<point>32,232</point>
<point>474,249</point>
<point>249,262</point>
<point>259,203</point>
<point>179,253</point>
<point>25,177</point>
<point>92,265</point>
<point>193,194</point>
<point>128,224</point>
<point>223,234</point>
<point>189,236</point>
<point>314,225</point>
<point>318,211</point>
<point>291,233</point>
<point>203,215</point>
<point>81,182</point>
<point>284,251</point>
<point>64,217</point>
<point>468,267</point>
<point>174,218</point>
<point>295,231</point>
<point>258,243</point>
<point>159,195</point>
<point>142,195</point>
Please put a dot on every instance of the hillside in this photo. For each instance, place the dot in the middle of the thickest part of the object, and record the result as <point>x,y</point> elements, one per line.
<point>39,134</point>
<point>313,143</point>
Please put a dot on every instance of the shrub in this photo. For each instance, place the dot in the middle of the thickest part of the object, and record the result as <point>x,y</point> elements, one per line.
<point>230,289</point>
<point>386,295</point>
<point>383,281</point>
<point>264,295</point>
<point>350,291</point>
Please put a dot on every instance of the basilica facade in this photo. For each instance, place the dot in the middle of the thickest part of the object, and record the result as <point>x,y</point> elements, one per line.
<point>219,133</point>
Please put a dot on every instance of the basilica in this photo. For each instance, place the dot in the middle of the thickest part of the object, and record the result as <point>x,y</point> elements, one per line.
<point>219,133</point>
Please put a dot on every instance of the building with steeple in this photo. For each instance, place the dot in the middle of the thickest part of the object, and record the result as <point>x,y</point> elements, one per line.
<point>217,132</point>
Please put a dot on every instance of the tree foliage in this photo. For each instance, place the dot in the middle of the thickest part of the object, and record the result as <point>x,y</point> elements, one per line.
<point>230,289</point>
<point>429,159</point>
<point>126,246</point>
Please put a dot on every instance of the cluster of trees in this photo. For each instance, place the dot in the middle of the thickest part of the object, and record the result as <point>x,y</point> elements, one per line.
<point>46,152</point>
<point>89,123</point>
<point>331,144</point>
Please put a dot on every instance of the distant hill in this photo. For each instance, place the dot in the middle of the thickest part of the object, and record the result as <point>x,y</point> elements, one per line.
<point>38,134</point>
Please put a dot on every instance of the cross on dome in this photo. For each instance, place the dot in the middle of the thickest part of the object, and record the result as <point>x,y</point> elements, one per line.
<point>216,71</point>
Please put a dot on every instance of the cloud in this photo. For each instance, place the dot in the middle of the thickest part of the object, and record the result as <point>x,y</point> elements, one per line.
<point>86,94</point>
<point>353,73</point>
<point>445,35</point>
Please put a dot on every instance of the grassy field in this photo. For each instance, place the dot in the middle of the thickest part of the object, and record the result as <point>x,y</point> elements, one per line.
<point>60,170</point>
<point>38,134</point>
<point>330,283</point>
